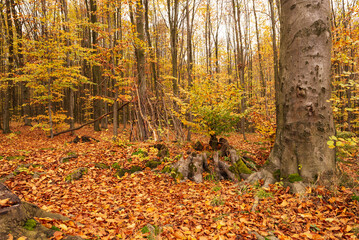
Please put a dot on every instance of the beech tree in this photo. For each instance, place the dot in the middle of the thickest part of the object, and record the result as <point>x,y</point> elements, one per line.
<point>304,116</point>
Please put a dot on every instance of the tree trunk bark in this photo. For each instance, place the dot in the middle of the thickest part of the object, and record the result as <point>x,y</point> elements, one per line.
<point>96,74</point>
<point>305,119</point>
<point>262,81</point>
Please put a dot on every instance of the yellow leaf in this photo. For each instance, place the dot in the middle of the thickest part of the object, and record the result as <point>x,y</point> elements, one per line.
<point>150,209</point>
<point>348,228</point>
<point>63,226</point>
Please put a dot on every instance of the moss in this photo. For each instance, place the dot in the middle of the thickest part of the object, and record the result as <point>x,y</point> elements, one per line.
<point>295,177</point>
<point>276,174</point>
<point>177,157</point>
<point>238,168</point>
<point>173,172</point>
<point>15,158</point>
<point>140,152</point>
<point>135,169</point>
<point>209,177</point>
<point>166,169</point>
<point>153,164</point>
<point>261,193</point>
<point>55,228</point>
<point>101,166</point>
<point>116,165</point>
<point>30,224</point>
<point>355,198</point>
<point>122,171</point>
<point>77,174</point>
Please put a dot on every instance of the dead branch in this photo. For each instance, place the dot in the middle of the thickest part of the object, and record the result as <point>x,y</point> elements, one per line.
<point>91,122</point>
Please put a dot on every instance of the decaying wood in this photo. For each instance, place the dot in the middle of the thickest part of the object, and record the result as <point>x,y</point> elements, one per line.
<point>192,167</point>
<point>222,169</point>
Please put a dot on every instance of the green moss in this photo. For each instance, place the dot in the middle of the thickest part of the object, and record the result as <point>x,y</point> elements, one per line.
<point>209,177</point>
<point>153,164</point>
<point>145,229</point>
<point>101,166</point>
<point>217,201</point>
<point>77,174</point>
<point>116,165</point>
<point>122,171</point>
<point>177,157</point>
<point>166,169</point>
<point>295,177</point>
<point>15,158</point>
<point>355,198</point>
<point>140,152</point>
<point>173,172</point>
<point>135,169</point>
<point>30,224</point>
<point>238,168</point>
<point>261,193</point>
<point>55,228</point>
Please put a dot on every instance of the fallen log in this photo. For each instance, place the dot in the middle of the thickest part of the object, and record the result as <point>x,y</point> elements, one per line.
<point>91,122</point>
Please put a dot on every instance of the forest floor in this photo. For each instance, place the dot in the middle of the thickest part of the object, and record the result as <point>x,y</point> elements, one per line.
<point>135,206</point>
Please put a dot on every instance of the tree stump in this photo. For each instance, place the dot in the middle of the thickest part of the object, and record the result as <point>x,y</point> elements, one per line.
<point>192,167</point>
<point>15,214</point>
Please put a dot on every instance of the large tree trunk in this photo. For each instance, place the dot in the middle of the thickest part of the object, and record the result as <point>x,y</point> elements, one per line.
<point>305,120</point>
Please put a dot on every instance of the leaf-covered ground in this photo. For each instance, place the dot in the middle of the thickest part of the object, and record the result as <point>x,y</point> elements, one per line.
<point>103,206</point>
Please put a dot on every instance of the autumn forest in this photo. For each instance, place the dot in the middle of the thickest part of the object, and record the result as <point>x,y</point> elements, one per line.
<point>179,119</point>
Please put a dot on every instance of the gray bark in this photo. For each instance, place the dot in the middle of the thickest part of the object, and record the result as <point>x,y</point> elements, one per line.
<point>305,120</point>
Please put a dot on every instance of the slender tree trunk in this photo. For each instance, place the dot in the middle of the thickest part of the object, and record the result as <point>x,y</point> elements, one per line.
<point>8,89</point>
<point>305,117</point>
<point>262,81</point>
<point>141,61</point>
<point>173,23</point>
<point>189,59</point>
<point>152,52</point>
<point>96,71</point>
<point>275,53</point>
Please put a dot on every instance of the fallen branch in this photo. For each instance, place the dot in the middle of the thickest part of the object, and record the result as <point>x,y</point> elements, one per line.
<point>91,122</point>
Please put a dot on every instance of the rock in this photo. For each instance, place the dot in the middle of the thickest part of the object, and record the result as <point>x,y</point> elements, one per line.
<point>17,218</point>
<point>102,166</point>
<point>122,171</point>
<point>153,164</point>
<point>77,174</point>
<point>67,158</point>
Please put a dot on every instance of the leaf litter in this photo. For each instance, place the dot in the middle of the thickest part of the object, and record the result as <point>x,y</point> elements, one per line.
<point>150,204</point>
